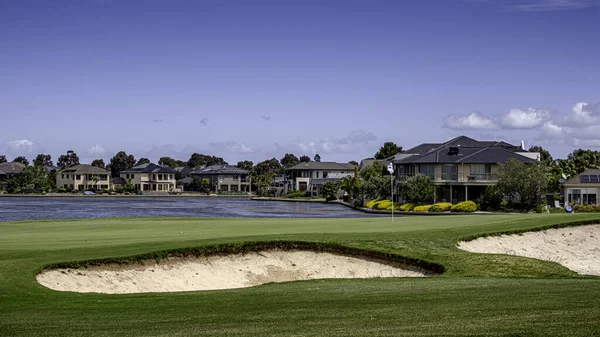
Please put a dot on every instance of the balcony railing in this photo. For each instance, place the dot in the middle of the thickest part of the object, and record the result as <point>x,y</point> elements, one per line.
<point>462,178</point>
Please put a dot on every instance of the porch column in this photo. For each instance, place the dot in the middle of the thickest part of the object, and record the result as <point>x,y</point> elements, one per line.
<point>451,194</point>
<point>466,193</point>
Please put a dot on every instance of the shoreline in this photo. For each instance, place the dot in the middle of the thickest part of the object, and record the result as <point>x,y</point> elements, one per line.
<point>64,195</point>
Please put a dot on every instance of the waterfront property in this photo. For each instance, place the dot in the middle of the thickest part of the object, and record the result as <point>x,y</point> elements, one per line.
<point>8,171</point>
<point>461,168</point>
<point>83,177</point>
<point>309,176</point>
<point>582,188</point>
<point>225,178</point>
<point>150,178</point>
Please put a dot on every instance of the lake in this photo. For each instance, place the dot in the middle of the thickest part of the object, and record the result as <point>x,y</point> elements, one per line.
<point>45,208</point>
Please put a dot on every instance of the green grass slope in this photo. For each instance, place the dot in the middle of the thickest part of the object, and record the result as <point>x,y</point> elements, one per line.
<point>478,295</point>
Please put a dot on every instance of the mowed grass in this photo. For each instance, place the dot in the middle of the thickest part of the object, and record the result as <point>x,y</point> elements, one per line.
<point>478,295</point>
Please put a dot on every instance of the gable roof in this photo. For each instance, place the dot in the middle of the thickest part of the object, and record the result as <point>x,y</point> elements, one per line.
<point>84,169</point>
<point>221,169</point>
<point>11,168</point>
<point>149,168</point>
<point>331,166</point>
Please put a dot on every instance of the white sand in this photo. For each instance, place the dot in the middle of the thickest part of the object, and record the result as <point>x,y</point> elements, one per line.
<point>577,248</point>
<point>217,272</point>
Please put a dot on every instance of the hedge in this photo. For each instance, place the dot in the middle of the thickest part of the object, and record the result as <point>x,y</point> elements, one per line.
<point>441,207</point>
<point>465,206</point>
<point>408,207</point>
<point>397,206</point>
<point>383,205</point>
<point>372,203</point>
<point>424,208</point>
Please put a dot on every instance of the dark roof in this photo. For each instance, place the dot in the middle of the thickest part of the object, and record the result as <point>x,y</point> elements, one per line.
<point>185,180</point>
<point>185,170</point>
<point>221,169</point>
<point>469,151</point>
<point>84,169</point>
<point>11,168</point>
<point>149,168</point>
<point>118,181</point>
<point>331,166</point>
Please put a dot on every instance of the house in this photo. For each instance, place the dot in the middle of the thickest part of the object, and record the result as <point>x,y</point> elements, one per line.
<point>309,176</point>
<point>582,188</point>
<point>150,177</point>
<point>83,177</point>
<point>225,178</point>
<point>461,168</point>
<point>8,171</point>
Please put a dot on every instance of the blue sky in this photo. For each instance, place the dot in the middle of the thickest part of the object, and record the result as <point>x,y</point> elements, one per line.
<point>256,79</point>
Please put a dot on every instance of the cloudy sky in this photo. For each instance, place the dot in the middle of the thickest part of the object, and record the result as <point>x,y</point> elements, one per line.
<point>255,79</point>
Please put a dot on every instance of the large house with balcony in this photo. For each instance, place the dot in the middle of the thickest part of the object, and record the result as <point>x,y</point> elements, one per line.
<point>83,177</point>
<point>150,178</point>
<point>225,178</point>
<point>461,168</point>
<point>582,188</point>
<point>7,171</point>
<point>309,176</point>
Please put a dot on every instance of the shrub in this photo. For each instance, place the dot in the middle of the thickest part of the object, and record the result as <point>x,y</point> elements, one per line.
<point>296,194</point>
<point>62,190</point>
<point>424,208</point>
<point>408,207</point>
<point>397,206</point>
<point>583,208</point>
<point>541,208</point>
<point>492,198</point>
<point>372,203</point>
<point>441,207</point>
<point>465,206</point>
<point>383,205</point>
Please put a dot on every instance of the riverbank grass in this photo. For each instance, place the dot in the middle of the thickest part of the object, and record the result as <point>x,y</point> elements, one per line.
<point>477,295</point>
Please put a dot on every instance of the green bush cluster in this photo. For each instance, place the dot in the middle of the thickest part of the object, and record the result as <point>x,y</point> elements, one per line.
<point>296,194</point>
<point>423,208</point>
<point>408,207</point>
<point>465,206</point>
<point>541,208</point>
<point>383,205</point>
<point>441,207</point>
<point>586,208</point>
<point>372,203</point>
<point>62,190</point>
<point>396,207</point>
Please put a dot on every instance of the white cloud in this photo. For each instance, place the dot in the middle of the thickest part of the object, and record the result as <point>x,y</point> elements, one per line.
<point>586,142</point>
<point>21,145</point>
<point>471,121</point>
<point>97,150</point>
<point>525,119</point>
<point>550,130</point>
<point>549,5</point>
<point>585,114</point>
<point>232,147</point>
<point>356,142</point>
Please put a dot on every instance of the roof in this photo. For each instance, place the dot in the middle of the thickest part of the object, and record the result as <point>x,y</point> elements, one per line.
<point>149,168</point>
<point>11,168</point>
<point>221,169</point>
<point>589,176</point>
<point>85,169</point>
<point>185,180</point>
<point>118,181</point>
<point>469,151</point>
<point>185,170</point>
<point>327,166</point>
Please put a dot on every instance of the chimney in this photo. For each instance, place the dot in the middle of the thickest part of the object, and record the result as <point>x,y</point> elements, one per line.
<point>523,145</point>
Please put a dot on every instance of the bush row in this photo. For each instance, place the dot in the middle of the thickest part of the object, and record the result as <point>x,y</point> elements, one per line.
<point>465,206</point>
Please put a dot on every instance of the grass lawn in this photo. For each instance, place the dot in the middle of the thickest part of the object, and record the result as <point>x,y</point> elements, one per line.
<point>478,295</point>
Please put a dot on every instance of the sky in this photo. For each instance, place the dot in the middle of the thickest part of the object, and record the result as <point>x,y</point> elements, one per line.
<point>255,79</point>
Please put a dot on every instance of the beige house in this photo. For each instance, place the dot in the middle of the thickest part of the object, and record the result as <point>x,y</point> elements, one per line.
<point>309,176</point>
<point>225,178</point>
<point>461,168</point>
<point>582,188</point>
<point>150,178</point>
<point>83,177</point>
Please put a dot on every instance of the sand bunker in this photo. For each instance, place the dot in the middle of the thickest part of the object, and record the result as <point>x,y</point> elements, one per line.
<point>218,272</point>
<point>577,248</point>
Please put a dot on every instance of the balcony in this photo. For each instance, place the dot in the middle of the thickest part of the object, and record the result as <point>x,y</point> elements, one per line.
<point>460,178</point>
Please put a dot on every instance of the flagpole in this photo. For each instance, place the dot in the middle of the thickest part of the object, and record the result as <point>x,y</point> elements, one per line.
<point>392,189</point>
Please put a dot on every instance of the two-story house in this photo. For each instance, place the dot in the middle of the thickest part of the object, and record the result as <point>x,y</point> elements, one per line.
<point>83,177</point>
<point>461,168</point>
<point>225,178</point>
<point>8,171</point>
<point>582,188</point>
<point>309,176</point>
<point>150,178</point>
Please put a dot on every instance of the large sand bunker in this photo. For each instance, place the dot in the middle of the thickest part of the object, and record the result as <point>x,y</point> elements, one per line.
<point>219,272</point>
<point>577,248</point>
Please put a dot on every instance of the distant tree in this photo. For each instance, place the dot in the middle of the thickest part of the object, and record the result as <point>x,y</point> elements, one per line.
<point>356,186</point>
<point>317,158</point>
<point>263,173</point>
<point>347,184</point>
<point>584,159</point>
<point>378,169</point>
<point>22,160</point>
<point>545,156</point>
<point>173,163</point>
<point>377,187</point>
<point>329,190</point>
<point>421,189</point>
<point>304,159</point>
<point>387,150</point>
<point>522,183</point>
<point>205,183</point>
<point>120,162</point>
<point>68,160</point>
<point>99,163</point>
<point>142,161</point>
<point>43,160</point>
<point>3,159</point>
<point>289,160</point>
<point>197,160</point>
<point>246,165</point>
<point>354,162</point>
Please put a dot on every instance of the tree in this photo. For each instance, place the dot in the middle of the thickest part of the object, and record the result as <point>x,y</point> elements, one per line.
<point>173,163</point>
<point>347,185</point>
<point>329,190</point>
<point>43,160</point>
<point>304,159</point>
<point>492,198</point>
<point>3,159</point>
<point>197,160</point>
<point>584,159</point>
<point>317,158</point>
<point>377,187</point>
<point>387,150</point>
<point>32,177</point>
<point>356,184</point>
<point>421,189</point>
<point>99,163</point>
<point>142,161</point>
<point>68,160</point>
<point>205,183</point>
<point>289,160</point>
<point>263,173</point>
<point>121,162</point>
<point>378,169</point>
<point>353,162</point>
<point>522,183</point>
<point>95,179</point>
<point>22,160</point>
<point>545,156</point>
<point>246,165</point>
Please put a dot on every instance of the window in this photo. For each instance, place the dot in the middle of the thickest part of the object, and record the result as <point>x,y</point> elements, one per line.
<point>225,188</point>
<point>317,174</point>
<point>160,177</point>
<point>234,188</point>
<point>480,172</point>
<point>325,175</point>
<point>236,177</point>
<point>428,170</point>
<point>154,177</point>
<point>449,172</point>
<point>78,177</point>
<point>63,176</point>
<point>587,196</point>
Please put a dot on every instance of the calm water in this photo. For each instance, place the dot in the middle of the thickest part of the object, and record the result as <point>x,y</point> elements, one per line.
<point>39,208</point>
